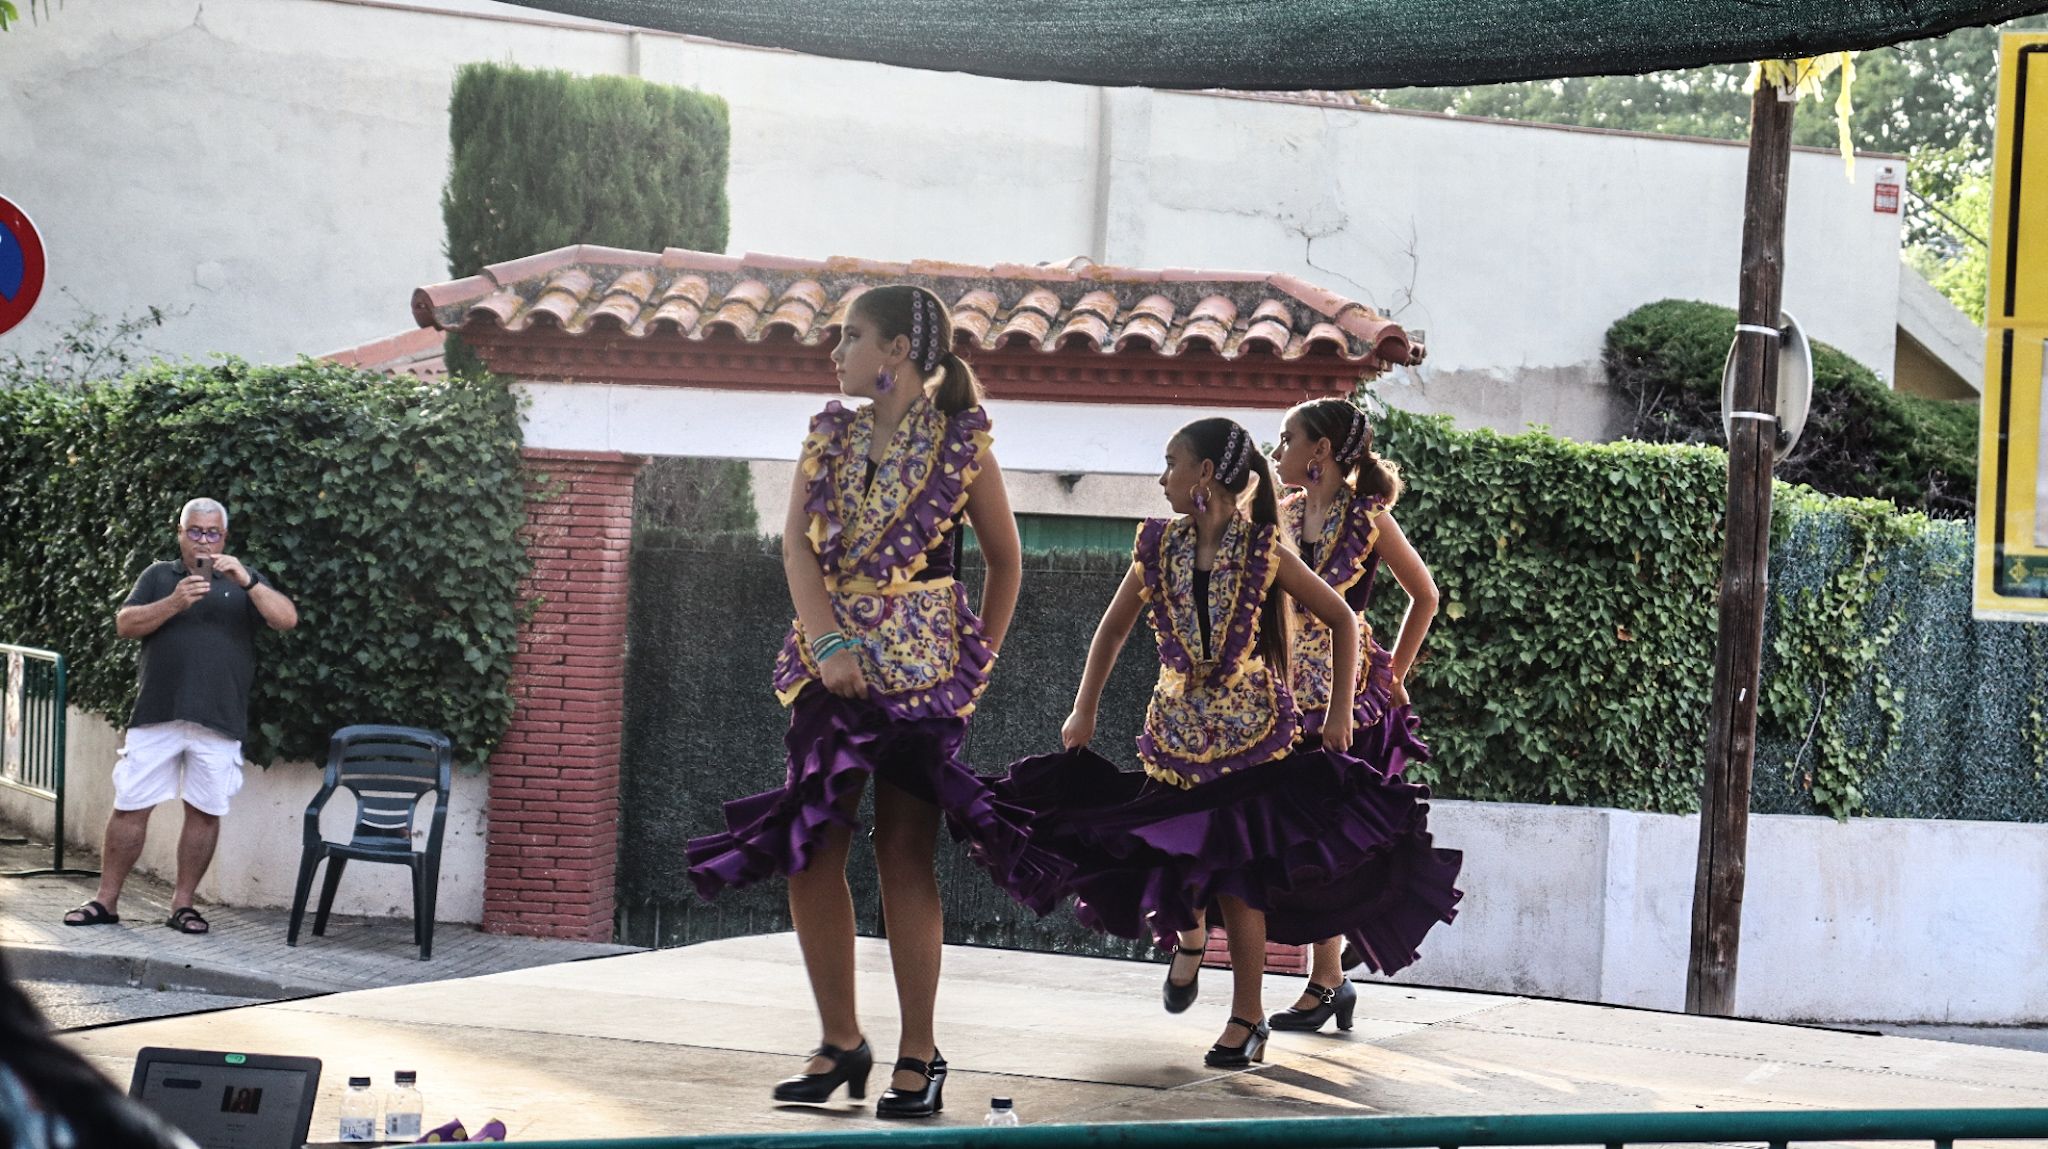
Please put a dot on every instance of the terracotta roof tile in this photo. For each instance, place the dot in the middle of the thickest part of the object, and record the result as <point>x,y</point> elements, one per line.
<point>1047,307</point>
<point>419,353</point>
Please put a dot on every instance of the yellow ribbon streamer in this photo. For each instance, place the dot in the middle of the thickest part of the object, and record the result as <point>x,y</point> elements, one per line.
<point>1804,77</point>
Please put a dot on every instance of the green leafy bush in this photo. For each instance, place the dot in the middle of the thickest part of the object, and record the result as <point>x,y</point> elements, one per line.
<point>1861,439</point>
<point>387,508</point>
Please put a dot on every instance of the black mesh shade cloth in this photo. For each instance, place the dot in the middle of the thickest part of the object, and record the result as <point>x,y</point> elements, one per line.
<point>1294,45</point>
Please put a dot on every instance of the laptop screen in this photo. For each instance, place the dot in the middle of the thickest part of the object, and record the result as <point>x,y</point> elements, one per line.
<point>229,1100</point>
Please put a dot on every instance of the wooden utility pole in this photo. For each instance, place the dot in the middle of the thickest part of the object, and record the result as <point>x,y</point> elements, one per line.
<point>1745,564</point>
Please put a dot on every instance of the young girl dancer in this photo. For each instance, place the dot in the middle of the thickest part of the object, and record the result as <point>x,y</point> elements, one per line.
<point>880,672</point>
<point>1228,816</point>
<point>1341,522</point>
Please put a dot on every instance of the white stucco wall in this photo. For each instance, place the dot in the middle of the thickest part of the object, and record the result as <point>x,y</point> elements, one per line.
<point>272,168</point>
<point>1874,919</point>
<point>257,860</point>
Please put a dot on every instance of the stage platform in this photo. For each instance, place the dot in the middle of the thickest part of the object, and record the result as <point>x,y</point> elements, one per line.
<point>689,1041</point>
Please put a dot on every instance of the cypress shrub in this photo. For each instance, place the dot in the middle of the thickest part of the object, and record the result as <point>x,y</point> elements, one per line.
<point>543,159</point>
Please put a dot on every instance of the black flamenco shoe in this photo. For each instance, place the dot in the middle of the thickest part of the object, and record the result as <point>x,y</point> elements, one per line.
<point>850,1067</point>
<point>1340,1002</point>
<point>1223,1056</point>
<point>1179,997</point>
<point>924,1102</point>
<point>1350,958</point>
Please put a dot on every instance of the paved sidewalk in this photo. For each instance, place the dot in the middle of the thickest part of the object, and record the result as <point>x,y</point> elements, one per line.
<point>245,954</point>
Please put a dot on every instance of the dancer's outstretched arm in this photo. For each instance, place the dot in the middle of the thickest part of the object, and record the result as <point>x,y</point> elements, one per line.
<point>995,532</point>
<point>1108,643</point>
<point>1415,580</point>
<point>808,594</point>
<point>1329,606</point>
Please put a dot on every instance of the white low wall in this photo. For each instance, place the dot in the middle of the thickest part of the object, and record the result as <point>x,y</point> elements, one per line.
<point>1878,919</point>
<point>258,858</point>
<point>1881,919</point>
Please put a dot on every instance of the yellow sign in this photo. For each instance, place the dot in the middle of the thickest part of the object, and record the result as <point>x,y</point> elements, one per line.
<point>2012,446</point>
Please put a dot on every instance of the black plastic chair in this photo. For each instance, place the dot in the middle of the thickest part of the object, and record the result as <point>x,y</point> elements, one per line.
<point>389,769</point>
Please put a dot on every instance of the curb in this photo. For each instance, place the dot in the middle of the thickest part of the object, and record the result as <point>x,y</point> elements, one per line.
<point>52,963</point>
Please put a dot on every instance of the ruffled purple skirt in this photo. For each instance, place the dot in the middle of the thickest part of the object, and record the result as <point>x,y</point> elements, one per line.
<point>834,745</point>
<point>1322,843</point>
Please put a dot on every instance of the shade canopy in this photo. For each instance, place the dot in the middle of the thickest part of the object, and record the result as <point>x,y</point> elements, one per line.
<point>1292,45</point>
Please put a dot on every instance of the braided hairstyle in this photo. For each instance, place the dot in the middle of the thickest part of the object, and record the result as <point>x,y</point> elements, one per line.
<point>1345,425</point>
<point>918,315</point>
<point>1238,460</point>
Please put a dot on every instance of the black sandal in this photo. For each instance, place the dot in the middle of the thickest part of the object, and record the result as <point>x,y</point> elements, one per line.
<point>91,914</point>
<point>186,920</point>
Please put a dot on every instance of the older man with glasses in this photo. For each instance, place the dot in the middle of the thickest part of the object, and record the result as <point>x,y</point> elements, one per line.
<point>197,619</point>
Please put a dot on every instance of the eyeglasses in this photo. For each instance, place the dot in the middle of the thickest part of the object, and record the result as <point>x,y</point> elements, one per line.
<point>204,534</point>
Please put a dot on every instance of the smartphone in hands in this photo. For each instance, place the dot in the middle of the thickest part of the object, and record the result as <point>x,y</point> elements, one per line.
<point>204,565</point>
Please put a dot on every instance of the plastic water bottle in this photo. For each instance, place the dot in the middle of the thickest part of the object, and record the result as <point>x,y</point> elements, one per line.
<point>403,1111</point>
<point>1001,1114</point>
<point>358,1111</point>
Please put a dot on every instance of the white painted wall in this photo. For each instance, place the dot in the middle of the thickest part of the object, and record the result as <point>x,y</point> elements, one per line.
<point>257,860</point>
<point>1875,919</point>
<point>274,166</point>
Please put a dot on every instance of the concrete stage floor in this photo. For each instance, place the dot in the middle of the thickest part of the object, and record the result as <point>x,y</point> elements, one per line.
<point>689,1040</point>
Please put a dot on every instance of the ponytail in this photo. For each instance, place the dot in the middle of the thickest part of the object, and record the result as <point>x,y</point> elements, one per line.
<point>957,388</point>
<point>1273,614</point>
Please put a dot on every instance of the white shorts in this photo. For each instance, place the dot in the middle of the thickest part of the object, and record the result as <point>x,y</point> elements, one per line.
<point>167,760</point>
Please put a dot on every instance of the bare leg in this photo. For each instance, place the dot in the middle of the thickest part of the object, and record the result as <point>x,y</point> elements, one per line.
<point>195,853</point>
<point>1325,969</point>
<point>1247,929</point>
<point>906,844</point>
<point>127,830</point>
<point>821,907</point>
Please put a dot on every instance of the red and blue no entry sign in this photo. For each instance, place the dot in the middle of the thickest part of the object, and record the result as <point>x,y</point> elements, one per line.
<point>21,264</point>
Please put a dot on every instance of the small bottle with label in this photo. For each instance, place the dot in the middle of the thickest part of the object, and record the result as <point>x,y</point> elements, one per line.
<point>358,1111</point>
<point>1000,1113</point>
<point>402,1112</point>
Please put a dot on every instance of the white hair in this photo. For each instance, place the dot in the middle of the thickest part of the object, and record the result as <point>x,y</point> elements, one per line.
<point>203,507</point>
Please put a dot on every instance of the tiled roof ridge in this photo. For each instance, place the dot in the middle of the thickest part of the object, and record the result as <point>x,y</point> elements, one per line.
<point>589,287</point>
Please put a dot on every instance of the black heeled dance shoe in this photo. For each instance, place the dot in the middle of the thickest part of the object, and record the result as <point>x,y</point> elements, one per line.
<point>1339,1001</point>
<point>923,1102</point>
<point>1350,958</point>
<point>1223,1056</point>
<point>1179,997</point>
<point>850,1067</point>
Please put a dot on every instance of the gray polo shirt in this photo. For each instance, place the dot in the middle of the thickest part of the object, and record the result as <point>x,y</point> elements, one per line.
<point>198,666</point>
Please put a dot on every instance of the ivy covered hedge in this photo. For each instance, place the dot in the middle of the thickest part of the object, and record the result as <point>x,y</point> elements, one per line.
<point>1572,660</point>
<point>1862,439</point>
<point>387,508</point>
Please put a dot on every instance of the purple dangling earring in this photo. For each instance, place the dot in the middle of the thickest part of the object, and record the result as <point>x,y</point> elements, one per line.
<point>1315,472</point>
<point>884,379</point>
<point>1202,500</point>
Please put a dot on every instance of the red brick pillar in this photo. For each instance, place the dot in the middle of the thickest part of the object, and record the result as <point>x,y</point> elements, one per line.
<point>554,807</point>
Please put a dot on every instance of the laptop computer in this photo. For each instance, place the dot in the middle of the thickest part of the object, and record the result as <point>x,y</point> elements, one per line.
<point>228,1100</point>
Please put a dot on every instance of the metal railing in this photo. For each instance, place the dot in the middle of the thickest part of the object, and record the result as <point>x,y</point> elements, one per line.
<point>33,695</point>
<point>1776,1128</point>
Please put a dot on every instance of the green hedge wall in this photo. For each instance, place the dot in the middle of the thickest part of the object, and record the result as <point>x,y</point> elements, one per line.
<point>387,508</point>
<point>1862,439</point>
